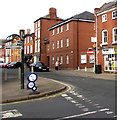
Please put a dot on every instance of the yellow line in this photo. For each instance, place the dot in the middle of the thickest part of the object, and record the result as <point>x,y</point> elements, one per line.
<point>35,99</point>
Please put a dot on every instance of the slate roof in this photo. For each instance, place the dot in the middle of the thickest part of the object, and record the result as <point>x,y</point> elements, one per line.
<point>108,6</point>
<point>85,15</point>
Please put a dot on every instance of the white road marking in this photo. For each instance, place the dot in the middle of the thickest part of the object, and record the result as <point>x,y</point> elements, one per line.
<point>105,109</point>
<point>109,112</point>
<point>79,115</point>
<point>85,109</point>
<point>10,113</point>
<point>68,98</point>
<point>64,95</point>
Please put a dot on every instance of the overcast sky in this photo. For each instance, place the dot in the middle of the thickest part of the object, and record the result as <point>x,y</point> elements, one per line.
<point>21,14</point>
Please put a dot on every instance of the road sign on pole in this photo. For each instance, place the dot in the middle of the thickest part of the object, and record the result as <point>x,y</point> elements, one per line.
<point>90,52</point>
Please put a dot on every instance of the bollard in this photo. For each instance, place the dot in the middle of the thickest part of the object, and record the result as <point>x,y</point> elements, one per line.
<point>78,68</point>
<point>32,69</point>
<point>85,68</point>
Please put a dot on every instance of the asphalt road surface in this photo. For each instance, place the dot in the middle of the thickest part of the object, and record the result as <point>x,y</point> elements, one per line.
<point>87,98</point>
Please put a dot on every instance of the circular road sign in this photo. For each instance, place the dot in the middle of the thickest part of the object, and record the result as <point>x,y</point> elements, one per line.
<point>30,85</point>
<point>90,52</point>
<point>32,77</point>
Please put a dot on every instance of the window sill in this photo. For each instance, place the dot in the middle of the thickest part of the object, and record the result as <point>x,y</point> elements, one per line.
<point>104,44</point>
<point>114,43</point>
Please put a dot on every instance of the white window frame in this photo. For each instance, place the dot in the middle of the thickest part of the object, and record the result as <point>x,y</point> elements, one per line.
<point>58,30</point>
<point>113,31</point>
<point>31,48</point>
<point>61,59</point>
<point>61,43</point>
<point>92,57</point>
<point>27,49</point>
<point>53,32</point>
<point>67,42</point>
<point>67,59</point>
<point>24,49</point>
<point>53,59</point>
<point>58,43</point>
<point>103,37</point>
<point>67,26</point>
<point>114,12</point>
<point>104,18</point>
<point>38,47</point>
<point>83,58</point>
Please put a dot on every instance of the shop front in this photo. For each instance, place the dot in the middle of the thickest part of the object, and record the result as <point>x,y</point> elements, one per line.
<point>110,59</point>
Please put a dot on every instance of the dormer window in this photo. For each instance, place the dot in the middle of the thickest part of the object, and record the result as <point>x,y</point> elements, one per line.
<point>104,18</point>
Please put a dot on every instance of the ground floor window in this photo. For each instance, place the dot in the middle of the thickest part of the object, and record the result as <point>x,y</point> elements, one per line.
<point>83,58</point>
<point>110,62</point>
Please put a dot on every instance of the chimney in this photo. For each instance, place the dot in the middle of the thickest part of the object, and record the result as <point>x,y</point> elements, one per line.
<point>28,31</point>
<point>96,10</point>
<point>52,13</point>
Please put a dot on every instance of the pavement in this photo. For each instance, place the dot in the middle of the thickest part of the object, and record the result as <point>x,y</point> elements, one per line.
<point>12,92</point>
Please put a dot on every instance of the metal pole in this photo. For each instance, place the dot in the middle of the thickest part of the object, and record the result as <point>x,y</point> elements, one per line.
<point>22,59</point>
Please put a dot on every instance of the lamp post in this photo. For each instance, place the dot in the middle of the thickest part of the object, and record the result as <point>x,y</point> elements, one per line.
<point>22,37</point>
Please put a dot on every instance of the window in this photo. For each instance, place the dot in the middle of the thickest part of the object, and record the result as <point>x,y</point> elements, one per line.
<point>114,14</point>
<point>27,49</point>
<point>53,32</point>
<point>38,47</point>
<point>67,59</point>
<point>35,46</point>
<point>104,37</point>
<point>52,59</point>
<point>38,32</point>
<point>24,49</point>
<point>61,59</point>
<point>115,35</point>
<point>52,45</point>
<point>61,29</point>
<point>58,30</point>
<point>67,27</point>
<point>31,48</point>
<point>67,42</point>
<point>104,18</point>
<point>61,43</point>
<point>91,58</point>
<point>83,58</point>
<point>58,44</point>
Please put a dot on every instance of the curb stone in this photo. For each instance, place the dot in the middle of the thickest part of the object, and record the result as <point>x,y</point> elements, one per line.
<point>34,96</point>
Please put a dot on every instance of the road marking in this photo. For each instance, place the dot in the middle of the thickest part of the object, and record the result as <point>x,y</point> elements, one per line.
<point>105,109</point>
<point>64,95</point>
<point>10,113</point>
<point>79,115</point>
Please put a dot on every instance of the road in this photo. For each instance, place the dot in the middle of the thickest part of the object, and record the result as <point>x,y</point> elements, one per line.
<point>88,98</point>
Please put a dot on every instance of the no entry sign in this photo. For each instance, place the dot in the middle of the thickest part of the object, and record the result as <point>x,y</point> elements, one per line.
<point>90,52</point>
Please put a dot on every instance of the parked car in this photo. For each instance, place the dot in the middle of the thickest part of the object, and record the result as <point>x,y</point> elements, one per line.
<point>14,65</point>
<point>4,65</point>
<point>39,66</point>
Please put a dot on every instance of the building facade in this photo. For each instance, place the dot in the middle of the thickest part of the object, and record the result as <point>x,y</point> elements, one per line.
<point>106,29</point>
<point>69,41</point>
<point>41,26</point>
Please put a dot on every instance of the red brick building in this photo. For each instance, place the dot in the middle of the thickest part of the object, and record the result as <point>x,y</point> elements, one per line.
<point>69,41</point>
<point>106,24</point>
<point>41,26</point>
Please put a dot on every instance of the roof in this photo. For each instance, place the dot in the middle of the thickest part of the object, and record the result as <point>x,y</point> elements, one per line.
<point>47,17</point>
<point>85,17</point>
<point>108,6</point>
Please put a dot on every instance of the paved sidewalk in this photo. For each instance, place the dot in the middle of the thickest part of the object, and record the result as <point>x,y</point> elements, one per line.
<point>88,73</point>
<point>12,92</point>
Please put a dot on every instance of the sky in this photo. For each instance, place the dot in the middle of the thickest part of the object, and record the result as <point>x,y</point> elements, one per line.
<point>21,14</point>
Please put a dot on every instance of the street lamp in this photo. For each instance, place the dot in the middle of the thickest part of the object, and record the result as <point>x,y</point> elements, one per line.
<point>22,37</point>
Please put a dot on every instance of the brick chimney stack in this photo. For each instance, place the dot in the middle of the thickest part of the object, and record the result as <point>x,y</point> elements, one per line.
<point>52,13</point>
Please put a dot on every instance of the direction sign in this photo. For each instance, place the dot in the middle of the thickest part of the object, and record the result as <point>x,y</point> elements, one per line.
<point>90,52</point>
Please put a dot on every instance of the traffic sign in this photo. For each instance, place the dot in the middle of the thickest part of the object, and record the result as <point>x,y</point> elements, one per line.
<point>90,52</point>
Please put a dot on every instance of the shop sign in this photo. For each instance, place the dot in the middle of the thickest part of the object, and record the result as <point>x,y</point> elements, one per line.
<point>108,50</point>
